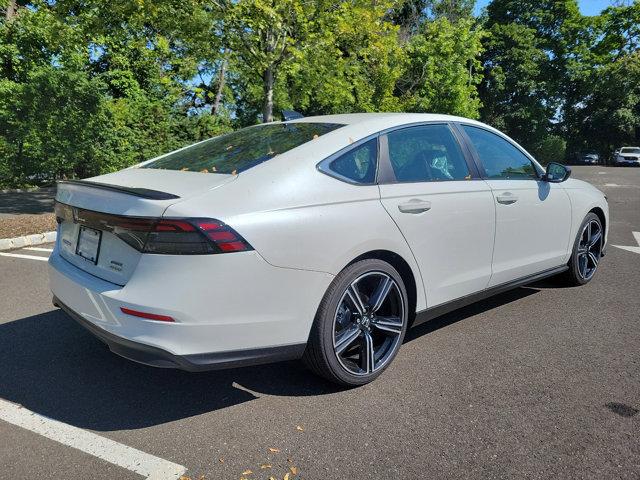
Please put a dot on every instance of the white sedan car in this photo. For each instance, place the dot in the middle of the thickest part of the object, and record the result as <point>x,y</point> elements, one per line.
<point>321,238</point>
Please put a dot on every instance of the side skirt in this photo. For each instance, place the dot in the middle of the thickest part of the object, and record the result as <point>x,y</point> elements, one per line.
<point>434,312</point>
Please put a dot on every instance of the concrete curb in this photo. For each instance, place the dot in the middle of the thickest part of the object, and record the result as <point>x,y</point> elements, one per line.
<point>27,240</point>
<point>20,190</point>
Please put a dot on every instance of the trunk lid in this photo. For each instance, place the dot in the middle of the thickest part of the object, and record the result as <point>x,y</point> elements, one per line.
<point>87,240</point>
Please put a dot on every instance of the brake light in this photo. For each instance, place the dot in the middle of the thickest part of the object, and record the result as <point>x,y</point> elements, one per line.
<point>194,236</point>
<point>171,236</point>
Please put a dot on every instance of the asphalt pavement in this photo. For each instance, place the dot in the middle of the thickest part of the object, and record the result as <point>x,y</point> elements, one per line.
<point>539,382</point>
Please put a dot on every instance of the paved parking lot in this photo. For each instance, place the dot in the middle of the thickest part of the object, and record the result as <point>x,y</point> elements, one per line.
<point>540,382</point>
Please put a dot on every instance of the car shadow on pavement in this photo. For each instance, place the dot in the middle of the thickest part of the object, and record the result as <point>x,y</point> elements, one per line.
<point>52,366</point>
<point>469,311</point>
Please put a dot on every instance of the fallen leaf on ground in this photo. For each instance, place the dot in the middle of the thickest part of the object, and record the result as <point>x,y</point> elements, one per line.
<point>265,465</point>
<point>247,472</point>
<point>221,460</point>
<point>294,470</point>
<point>274,450</point>
<point>184,478</point>
<point>299,428</point>
<point>289,460</point>
<point>272,478</point>
<point>286,476</point>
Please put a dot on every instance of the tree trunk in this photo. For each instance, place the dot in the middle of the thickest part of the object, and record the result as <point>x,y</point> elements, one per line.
<point>218,99</point>
<point>12,9</point>
<point>267,85</point>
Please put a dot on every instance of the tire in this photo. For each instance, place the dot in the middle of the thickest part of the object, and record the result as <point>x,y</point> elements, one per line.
<point>343,334</point>
<point>577,275</point>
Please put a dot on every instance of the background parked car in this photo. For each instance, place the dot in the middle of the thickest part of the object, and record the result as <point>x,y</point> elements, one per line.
<point>627,156</point>
<point>585,158</point>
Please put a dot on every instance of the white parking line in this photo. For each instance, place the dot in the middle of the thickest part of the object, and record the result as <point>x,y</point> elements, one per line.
<point>38,249</point>
<point>17,255</point>
<point>153,468</point>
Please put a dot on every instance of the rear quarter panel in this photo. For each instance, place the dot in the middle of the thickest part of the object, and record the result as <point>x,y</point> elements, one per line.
<point>297,217</point>
<point>584,197</point>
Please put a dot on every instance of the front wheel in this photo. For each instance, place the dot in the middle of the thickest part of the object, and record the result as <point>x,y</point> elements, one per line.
<point>360,324</point>
<point>587,251</point>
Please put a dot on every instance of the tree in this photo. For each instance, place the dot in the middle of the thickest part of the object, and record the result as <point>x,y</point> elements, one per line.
<point>443,69</point>
<point>263,34</point>
<point>514,87</point>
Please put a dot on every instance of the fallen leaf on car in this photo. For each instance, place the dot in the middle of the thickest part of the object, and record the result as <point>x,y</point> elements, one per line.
<point>294,470</point>
<point>274,450</point>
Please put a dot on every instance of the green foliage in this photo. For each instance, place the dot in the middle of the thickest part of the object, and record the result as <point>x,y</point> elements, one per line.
<point>91,86</point>
<point>552,73</point>
<point>550,148</point>
<point>514,89</point>
<point>443,69</point>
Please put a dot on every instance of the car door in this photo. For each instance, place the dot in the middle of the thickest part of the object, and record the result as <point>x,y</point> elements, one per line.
<point>433,192</point>
<point>533,217</point>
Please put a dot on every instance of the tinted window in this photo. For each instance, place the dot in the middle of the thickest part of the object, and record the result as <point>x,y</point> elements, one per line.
<point>358,164</point>
<point>242,149</point>
<point>499,157</point>
<point>426,153</point>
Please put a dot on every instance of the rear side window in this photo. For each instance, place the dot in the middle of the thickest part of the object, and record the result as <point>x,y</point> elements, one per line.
<point>500,159</point>
<point>426,153</point>
<point>240,150</point>
<point>358,165</point>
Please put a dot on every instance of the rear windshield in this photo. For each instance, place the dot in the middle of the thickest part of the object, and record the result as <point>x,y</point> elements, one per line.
<point>240,150</point>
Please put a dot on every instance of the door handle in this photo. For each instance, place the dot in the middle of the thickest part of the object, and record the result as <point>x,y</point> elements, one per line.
<point>415,206</point>
<point>507,198</point>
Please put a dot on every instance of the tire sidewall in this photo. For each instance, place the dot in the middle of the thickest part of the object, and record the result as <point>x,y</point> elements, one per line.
<point>573,264</point>
<point>326,319</point>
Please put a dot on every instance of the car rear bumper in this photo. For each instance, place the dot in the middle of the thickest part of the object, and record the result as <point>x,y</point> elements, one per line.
<point>157,357</point>
<point>228,310</point>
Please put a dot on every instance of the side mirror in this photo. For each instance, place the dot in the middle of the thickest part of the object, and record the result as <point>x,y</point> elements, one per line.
<point>556,173</point>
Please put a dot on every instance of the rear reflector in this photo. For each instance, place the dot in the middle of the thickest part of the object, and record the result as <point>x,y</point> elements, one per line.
<point>148,316</point>
<point>168,236</point>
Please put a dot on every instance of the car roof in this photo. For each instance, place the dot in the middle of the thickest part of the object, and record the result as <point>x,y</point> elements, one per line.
<point>388,118</point>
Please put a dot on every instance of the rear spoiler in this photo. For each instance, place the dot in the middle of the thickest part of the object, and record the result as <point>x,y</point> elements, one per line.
<point>138,192</point>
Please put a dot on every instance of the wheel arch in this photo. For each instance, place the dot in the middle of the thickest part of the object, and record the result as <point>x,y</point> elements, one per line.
<point>404,269</point>
<point>600,213</point>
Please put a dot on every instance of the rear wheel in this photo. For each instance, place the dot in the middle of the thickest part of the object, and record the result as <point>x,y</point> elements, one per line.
<point>360,324</point>
<point>587,251</point>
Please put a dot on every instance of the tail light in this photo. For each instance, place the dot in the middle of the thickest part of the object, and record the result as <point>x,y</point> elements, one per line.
<point>170,236</point>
